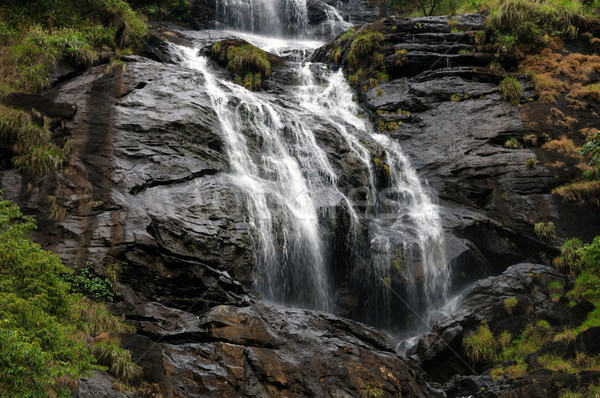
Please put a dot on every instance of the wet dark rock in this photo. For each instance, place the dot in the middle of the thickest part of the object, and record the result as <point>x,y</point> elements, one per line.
<point>538,385</point>
<point>40,103</point>
<point>588,342</point>
<point>99,385</point>
<point>263,350</point>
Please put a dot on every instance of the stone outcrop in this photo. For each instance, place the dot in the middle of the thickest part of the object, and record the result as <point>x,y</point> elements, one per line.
<point>261,351</point>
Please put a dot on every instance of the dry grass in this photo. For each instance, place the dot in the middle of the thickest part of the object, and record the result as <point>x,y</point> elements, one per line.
<point>562,145</point>
<point>580,192</point>
<point>588,132</point>
<point>530,139</point>
<point>97,319</point>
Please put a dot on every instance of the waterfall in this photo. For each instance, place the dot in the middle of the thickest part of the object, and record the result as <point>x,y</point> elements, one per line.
<point>273,17</point>
<point>392,257</point>
<point>278,18</point>
<point>279,185</point>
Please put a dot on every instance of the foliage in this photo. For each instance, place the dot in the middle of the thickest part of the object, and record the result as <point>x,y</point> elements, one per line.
<point>511,90</point>
<point>545,231</point>
<point>512,143</point>
<point>481,348</point>
<point>32,146</point>
<point>580,192</point>
<point>349,34</point>
<point>45,32</point>
<point>117,359</point>
<point>531,163</point>
<point>248,58</point>
<point>96,318</point>
<point>363,50</point>
<point>83,280</point>
<point>37,315</point>
<point>577,257</point>
<point>163,10</point>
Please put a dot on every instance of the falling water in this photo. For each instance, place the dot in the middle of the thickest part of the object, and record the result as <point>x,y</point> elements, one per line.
<point>279,187</point>
<point>288,185</point>
<point>277,18</point>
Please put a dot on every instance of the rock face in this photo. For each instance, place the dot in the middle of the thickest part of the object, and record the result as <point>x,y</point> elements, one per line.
<point>263,351</point>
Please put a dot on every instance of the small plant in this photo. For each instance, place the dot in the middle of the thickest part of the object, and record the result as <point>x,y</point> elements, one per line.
<point>96,318</point>
<point>531,163</point>
<point>510,304</point>
<point>511,90</point>
<point>379,92</point>
<point>372,391</point>
<point>117,359</point>
<point>481,348</point>
<point>588,175</point>
<point>545,231</point>
<point>86,282</point>
<point>57,212</point>
<point>115,270</point>
<point>455,98</point>
<point>556,290</point>
<point>512,143</point>
<point>530,139</point>
<point>383,77</point>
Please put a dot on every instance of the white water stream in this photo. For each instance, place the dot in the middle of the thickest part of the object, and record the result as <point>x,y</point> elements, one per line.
<point>284,182</point>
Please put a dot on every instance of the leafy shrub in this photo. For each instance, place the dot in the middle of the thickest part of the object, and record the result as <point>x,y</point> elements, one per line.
<point>37,315</point>
<point>86,282</point>
<point>511,90</point>
<point>577,257</point>
<point>481,348</point>
<point>545,231</point>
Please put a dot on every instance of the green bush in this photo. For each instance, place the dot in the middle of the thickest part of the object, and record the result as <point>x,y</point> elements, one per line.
<point>511,90</point>
<point>363,50</point>
<point>577,257</point>
<point>37,315</point>
<point>84,281</point>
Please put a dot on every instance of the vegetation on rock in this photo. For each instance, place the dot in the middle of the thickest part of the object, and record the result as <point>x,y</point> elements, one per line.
<point>42,323</point>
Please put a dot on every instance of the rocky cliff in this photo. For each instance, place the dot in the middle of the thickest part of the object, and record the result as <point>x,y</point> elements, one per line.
<point>146,183</point>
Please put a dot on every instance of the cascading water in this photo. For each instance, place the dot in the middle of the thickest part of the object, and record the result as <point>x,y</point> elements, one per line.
<point>289,186</point>
<point>277,17</point>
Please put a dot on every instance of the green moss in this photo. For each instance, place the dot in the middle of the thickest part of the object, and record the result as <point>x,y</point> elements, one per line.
<point>363,50</point>
<point>349,34</point>
<point>510,304</point>
<point>248,58</point>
